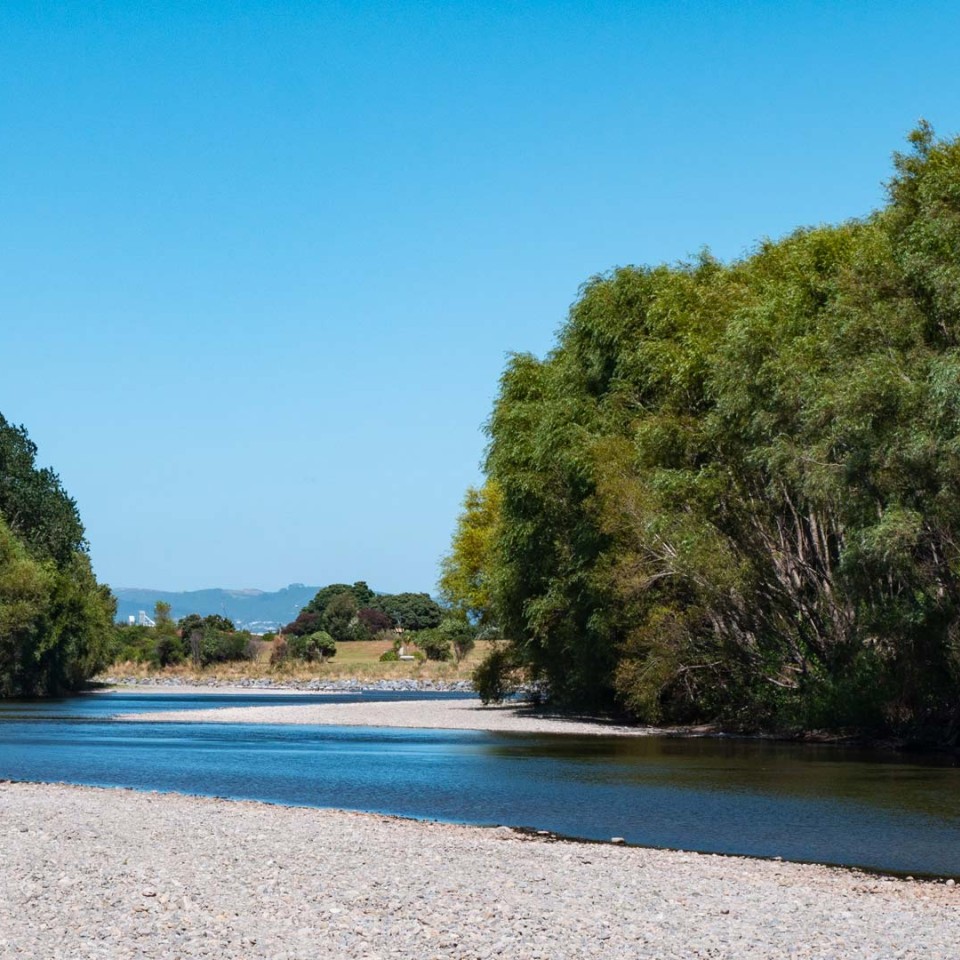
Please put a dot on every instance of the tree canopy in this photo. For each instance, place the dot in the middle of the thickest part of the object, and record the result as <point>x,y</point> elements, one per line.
<point>358,613</point>
<point>730,491</point>
<point>464,572</point>
<point>411,611</point>
<point>360,592</point>
<point>55,619</point>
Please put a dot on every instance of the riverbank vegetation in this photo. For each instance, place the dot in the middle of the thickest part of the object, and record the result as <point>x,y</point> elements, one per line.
<point>730,492</point>
<point>361,660</point>
<point>55,619</point>
<point>340,616</point>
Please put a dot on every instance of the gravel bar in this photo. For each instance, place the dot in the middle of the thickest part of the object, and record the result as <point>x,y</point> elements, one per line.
<point>432,714</point>
<point>118,874</point>
<point>267,684</point>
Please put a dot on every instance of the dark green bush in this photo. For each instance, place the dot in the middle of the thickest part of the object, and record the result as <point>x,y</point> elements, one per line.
<point>218,647</point>
<point>495,677</point>
<point>434,644</point>
<point>314,646</point>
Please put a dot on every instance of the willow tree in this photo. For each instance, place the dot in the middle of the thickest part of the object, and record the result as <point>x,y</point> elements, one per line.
<point>730,490</point>
<point>464,571</point>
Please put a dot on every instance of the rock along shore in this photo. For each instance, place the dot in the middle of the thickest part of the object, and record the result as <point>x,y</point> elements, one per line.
<point>91,873</point>
<point>402,685</point>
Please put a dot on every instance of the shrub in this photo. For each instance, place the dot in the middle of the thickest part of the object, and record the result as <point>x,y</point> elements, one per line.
<point>434,644</point>
<point>461,635</point>
<point>316,646</point>
<point>391,656</point>
<point>168,649</point>
<point>495,677</point>
<point>280,651</point>
<point>218,647</point>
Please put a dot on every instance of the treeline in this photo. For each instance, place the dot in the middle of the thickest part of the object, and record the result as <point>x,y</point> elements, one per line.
<point>201,641</point>
<point>343,612</point>
<point>730,493</point>
<point>55,619</point>
<point>355,612</point>
<point>338,613</point>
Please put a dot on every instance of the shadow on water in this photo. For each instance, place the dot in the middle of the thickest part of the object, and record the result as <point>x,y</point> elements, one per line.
<point>805,802</point>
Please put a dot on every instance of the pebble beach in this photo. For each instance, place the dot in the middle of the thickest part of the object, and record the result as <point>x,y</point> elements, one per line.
<point>118,874</point>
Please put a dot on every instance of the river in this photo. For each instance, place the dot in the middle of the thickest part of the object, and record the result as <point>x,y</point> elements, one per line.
<point>825,804</point>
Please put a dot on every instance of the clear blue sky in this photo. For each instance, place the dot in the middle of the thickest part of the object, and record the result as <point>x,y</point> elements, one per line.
<point>262,263</point>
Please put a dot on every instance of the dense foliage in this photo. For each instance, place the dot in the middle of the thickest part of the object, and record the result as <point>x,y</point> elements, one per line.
<point>201,641</point>
<point>731,491</point>
<point>465,571</point>
<point>355,612</point>
<point>55,619</point>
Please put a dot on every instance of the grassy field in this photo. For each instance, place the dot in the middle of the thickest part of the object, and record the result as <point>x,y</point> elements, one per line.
<point>358,659</point>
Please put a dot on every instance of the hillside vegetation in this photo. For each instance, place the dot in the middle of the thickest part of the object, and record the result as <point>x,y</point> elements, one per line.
<point>731,491</point>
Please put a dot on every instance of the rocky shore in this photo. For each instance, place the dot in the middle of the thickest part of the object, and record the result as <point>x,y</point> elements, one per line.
<point>270,683</point>
<point>91,873</point>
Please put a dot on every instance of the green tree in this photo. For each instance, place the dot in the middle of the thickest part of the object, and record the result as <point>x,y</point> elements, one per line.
<point>465,571</point>
<point>360,592</point>
<point>411,611</point>
<point>32,501</point>
<point>311,647</point>
<point>729,491</point>
<point>56,621</point>
<point>339,617</point>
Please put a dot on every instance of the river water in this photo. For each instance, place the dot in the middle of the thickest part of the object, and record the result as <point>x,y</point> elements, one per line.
<point>817,803</point>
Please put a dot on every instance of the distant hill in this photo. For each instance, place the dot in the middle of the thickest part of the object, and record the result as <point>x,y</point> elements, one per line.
<point>256,610</point>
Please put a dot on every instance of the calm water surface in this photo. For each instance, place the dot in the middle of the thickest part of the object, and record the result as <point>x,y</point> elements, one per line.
<point>801,802</point>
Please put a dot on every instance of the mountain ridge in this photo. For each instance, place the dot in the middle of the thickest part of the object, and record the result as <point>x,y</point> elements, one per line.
<point>249,608</point>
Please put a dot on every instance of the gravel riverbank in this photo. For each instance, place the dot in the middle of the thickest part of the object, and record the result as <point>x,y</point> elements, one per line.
<point>251,685</point>
<point>91,873</point>
<point>467,714</point>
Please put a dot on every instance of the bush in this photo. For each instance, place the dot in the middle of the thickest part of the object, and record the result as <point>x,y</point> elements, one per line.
<point>391,656</point>
<point>495,677</point>
<point>168,649</point>
<point>460,634</point>
<point>131,643</point>
<point>218,647</point>
<point>315,646</point>
<point>434,644</point>
<point>279,652</point>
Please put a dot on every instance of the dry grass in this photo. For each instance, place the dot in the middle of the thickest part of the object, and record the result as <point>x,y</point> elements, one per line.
<point>356,660</point>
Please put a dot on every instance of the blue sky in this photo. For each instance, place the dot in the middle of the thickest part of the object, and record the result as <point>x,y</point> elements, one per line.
<point>262,263</point>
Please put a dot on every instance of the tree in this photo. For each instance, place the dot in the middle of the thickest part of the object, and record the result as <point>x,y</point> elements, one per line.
<point>32,501</point>
<point>306,622</point>
<point>56,621</point>
<point>339,616</point>
<point>411,611</point>
<point>25,589</point>
<point>465,571</point>
<point>373,621</point>
<point>360,592</point>
<point>729,492</point>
